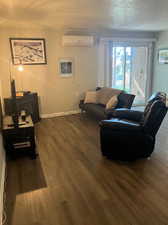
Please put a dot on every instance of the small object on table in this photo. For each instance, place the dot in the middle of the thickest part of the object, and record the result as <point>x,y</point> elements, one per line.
<point>19,141</point>
<point>23,115</point>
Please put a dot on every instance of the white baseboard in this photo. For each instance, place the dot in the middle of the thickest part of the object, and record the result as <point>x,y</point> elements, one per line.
<point>52,115</point>
<point>2,185</point>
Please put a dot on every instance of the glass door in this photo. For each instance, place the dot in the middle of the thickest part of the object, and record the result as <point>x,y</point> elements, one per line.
<point>129,71</point>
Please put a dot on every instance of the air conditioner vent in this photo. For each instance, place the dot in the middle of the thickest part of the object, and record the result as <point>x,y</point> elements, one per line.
<point>77,41</point>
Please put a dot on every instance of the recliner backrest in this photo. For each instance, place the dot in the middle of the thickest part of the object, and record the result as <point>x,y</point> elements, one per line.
<point>156,96</point>
<point>154,116</point>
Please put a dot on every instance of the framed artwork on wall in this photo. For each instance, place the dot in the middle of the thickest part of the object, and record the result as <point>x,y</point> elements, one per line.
<point>163,56</point>
<point>28,51</point>
<point>66,67</point>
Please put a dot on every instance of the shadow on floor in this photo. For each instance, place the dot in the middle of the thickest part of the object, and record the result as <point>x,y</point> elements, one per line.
<point>23,175</point>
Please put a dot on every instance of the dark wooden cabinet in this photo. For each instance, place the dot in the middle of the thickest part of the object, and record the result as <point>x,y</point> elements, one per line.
<point>21,140</point>
<point>29,103</point>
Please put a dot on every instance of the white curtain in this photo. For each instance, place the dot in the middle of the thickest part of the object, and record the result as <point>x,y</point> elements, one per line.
<point>104,64</point>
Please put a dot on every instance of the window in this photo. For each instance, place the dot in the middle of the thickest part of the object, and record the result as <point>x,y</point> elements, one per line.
<point>129,70</point>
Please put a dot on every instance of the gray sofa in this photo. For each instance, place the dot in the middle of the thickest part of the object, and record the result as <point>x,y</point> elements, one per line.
<point>99,111</point>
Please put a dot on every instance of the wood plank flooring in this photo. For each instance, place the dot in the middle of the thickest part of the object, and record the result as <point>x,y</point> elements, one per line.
<point>72,184</point>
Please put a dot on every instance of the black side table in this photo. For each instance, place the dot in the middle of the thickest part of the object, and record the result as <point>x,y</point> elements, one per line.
<point>28,102</point>
<point>19,141</point>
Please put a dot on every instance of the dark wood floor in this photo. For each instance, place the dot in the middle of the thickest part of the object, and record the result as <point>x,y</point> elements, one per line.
<point>71,184</point>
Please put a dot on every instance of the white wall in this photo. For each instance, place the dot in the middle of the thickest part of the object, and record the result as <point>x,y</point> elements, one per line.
<point>56,94</point>
<point>2,173</point>
<point>160,77</point>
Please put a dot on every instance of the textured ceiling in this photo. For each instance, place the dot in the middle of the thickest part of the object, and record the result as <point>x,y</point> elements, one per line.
<point>95,15</point>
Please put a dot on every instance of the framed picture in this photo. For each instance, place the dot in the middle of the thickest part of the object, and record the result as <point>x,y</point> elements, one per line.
<point>28,51</point>
<point>163,56</point>
<point>66,67</point>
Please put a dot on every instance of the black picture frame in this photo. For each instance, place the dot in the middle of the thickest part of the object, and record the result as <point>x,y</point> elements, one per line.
<point>28,51</point>
<point>66,67</point>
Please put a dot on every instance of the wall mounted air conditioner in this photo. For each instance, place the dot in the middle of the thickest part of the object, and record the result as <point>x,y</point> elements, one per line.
<point>77,41</point>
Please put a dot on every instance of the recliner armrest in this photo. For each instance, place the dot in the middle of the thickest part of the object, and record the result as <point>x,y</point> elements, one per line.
<point>109,113</point>
<point>126,114</point>
<point>120,125</point>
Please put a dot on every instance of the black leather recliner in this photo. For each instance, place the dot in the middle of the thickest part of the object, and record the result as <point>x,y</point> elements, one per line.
<point>131,134</point>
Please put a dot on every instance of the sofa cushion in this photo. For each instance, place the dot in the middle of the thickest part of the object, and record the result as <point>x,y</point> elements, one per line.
<point>125,100</point>
<point>104,94</point>
<point>91,97</point>
<point>96,110</point>
<point>112,102</point>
